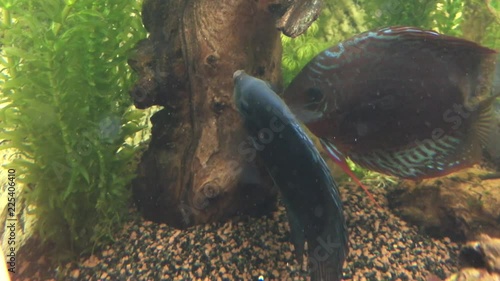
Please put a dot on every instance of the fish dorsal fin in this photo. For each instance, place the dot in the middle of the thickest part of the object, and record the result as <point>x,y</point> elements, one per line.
<point>428,38</point>
<point>339,159</point>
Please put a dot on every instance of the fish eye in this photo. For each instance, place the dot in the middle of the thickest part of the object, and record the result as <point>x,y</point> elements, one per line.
<point>314,95</point>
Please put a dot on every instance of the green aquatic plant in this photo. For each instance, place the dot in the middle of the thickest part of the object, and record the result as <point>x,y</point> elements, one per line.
<point>382,13</point>
<point>475,20</point>
<point>447,17</point>
<point>67,112</point>
<point>378,180</point>
<point>491,37</point>
<point>356,169</point>
<point>441,15</point>
<point>482,22</point>
<point>298,51</point>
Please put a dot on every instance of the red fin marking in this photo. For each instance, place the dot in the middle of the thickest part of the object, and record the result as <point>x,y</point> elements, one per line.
<point>339,159</point>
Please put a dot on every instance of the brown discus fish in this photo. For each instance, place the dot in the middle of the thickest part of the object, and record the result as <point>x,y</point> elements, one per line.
<point>402,101</point>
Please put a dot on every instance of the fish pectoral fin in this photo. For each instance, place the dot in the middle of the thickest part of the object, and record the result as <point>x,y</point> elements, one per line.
<point>297,235</point>
<point>339,159</point>
<point>484,124</point>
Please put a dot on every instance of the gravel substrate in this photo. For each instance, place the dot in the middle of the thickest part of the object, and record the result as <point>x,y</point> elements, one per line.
<point>382,247</point>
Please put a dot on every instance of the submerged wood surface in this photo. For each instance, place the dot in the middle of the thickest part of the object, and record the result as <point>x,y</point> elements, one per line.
<point>460,206</point>
<point>196,169</point>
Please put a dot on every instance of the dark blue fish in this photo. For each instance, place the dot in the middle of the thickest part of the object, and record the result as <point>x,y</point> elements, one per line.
<point>403,101</point>
<point>311,196</point>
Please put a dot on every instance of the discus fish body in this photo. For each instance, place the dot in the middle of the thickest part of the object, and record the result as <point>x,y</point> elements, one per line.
<point>402,101</point>
<point>311,196</point>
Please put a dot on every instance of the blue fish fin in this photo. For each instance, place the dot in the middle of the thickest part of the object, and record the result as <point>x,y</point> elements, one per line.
<point>325,261</point>
<point>297,235</point>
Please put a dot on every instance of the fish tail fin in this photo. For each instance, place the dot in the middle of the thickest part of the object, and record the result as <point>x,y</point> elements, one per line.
<point>325,262</point>
<point>485,123</point>
<point>496,78</point>
<point>339,159</point>
<point>323,272</point>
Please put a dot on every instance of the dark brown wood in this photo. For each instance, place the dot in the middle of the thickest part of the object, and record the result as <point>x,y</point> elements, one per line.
<point>194,170</point>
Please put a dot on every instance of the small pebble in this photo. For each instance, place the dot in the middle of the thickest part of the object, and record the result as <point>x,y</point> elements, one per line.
<point>75,273</point>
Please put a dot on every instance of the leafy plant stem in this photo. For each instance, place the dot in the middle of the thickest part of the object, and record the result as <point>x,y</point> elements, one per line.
<point>63,128</point>
<point>7,21</point>
<point>65,13</point>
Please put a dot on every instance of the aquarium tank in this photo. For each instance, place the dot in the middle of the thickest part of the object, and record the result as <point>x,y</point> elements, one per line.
<point>250,140</point>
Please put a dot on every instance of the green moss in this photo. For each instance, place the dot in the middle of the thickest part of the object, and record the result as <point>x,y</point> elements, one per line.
<point>67,112</point>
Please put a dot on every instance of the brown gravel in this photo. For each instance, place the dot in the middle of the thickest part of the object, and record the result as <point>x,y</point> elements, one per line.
<point>382,247</point>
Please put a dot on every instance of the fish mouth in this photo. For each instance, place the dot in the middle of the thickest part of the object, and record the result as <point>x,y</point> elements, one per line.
<point>237,73</point>
<point>237,96</point>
